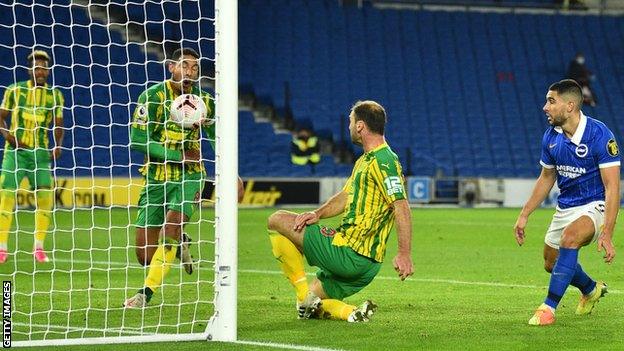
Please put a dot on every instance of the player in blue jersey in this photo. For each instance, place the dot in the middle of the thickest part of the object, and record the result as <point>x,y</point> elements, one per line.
<point>582,155</point>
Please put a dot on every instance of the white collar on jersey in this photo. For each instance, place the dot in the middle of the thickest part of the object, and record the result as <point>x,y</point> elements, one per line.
<point>578,135</point>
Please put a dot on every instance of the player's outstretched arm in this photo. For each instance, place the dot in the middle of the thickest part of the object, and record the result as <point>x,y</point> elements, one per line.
<point>544,183</point>
<point>611,180</point>
<point>403,260</point>
<point>333,207</point>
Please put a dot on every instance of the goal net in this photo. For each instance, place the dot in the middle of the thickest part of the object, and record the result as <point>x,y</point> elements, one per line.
<point>103,55</point>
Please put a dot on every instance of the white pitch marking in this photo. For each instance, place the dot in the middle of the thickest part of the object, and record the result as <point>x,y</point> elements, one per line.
<point>131,332</point>
<point>268,272</point>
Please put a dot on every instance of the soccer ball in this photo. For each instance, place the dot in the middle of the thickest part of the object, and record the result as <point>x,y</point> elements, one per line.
<point>188,110</point>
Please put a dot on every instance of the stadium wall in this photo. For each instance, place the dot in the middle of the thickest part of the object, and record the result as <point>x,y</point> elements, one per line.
<point>104,192</point>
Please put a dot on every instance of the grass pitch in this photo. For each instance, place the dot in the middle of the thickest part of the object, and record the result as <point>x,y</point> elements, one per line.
<point>474,288</point>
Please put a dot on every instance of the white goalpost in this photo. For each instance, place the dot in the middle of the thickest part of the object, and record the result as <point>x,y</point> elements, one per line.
<point>223,324</point>
<point>103,55</point>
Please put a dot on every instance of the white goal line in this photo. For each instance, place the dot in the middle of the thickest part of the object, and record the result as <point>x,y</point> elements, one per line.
<point>131,332</point>
<point>271,272</point>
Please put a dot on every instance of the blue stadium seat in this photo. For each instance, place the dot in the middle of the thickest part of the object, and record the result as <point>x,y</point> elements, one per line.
<point>489,106</point>
<point>463,90</point>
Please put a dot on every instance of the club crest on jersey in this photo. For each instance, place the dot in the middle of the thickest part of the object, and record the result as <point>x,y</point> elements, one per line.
<point>141,114</point>
<point>612,147</point>
<point>328,232</point>
<point>581,150</point>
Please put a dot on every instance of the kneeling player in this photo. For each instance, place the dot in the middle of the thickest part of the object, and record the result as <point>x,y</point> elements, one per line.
<point>350,256</point>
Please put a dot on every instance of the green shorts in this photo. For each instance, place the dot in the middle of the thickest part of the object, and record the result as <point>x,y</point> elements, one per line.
<point>34,164</point>
<point>343,272</point>
<point>158,197</point>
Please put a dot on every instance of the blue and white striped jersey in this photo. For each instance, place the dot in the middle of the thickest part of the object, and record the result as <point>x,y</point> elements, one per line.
<point>578,160</point>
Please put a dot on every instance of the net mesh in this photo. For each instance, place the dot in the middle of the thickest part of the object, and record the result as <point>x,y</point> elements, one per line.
<point>104,54</point>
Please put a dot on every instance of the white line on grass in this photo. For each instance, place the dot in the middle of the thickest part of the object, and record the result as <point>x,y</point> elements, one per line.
<point>131,332</point>
<point>283,346</point>
<point>268,272</point>
<point>432,280</point>
<point>78,329</point>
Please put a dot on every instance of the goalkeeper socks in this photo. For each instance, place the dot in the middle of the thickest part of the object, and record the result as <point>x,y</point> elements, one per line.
<point>291,262</point>
<point>7,204</point>
<point>161,264</point>
<point>561,275</point>
<point>582,281</point>
<point>43,214</point>
<point>335,309</point>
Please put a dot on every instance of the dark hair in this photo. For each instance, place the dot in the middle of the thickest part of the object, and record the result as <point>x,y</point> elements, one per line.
<point>570,87</point>
<point>38,55</point>
<point>372,113</point>
<point>183,51</point>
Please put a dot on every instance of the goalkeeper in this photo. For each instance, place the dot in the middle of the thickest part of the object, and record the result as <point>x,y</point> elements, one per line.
<point>173,171</point>
<point>33,106</point>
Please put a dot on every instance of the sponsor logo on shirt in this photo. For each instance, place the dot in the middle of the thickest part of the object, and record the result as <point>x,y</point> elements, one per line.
<point>393,185</point>
<point>571,172</point>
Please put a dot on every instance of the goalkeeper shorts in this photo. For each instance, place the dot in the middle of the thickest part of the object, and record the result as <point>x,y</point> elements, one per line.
<point>33,164</point>
<point>343,272</point>
<point>157,198</point>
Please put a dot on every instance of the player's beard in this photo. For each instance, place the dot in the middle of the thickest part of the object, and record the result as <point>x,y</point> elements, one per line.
<point>557,121</point>
<point>187,85</point>
<point>182,86</point>
<point>183,83</point>
<point>355,140</point>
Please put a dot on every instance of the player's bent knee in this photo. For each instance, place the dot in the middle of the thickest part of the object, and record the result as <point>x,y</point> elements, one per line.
<point>548,266</point>
<point>275,219</point>
<point>570,240</point>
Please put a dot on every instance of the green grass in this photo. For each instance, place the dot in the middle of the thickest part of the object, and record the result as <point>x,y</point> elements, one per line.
<point>474,288</point>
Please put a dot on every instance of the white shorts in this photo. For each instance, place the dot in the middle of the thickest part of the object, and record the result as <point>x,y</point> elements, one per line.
<point>563,218</point>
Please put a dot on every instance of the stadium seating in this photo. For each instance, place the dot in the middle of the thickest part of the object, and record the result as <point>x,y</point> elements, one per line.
<point>463,90</point>
<point>506,3</point>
